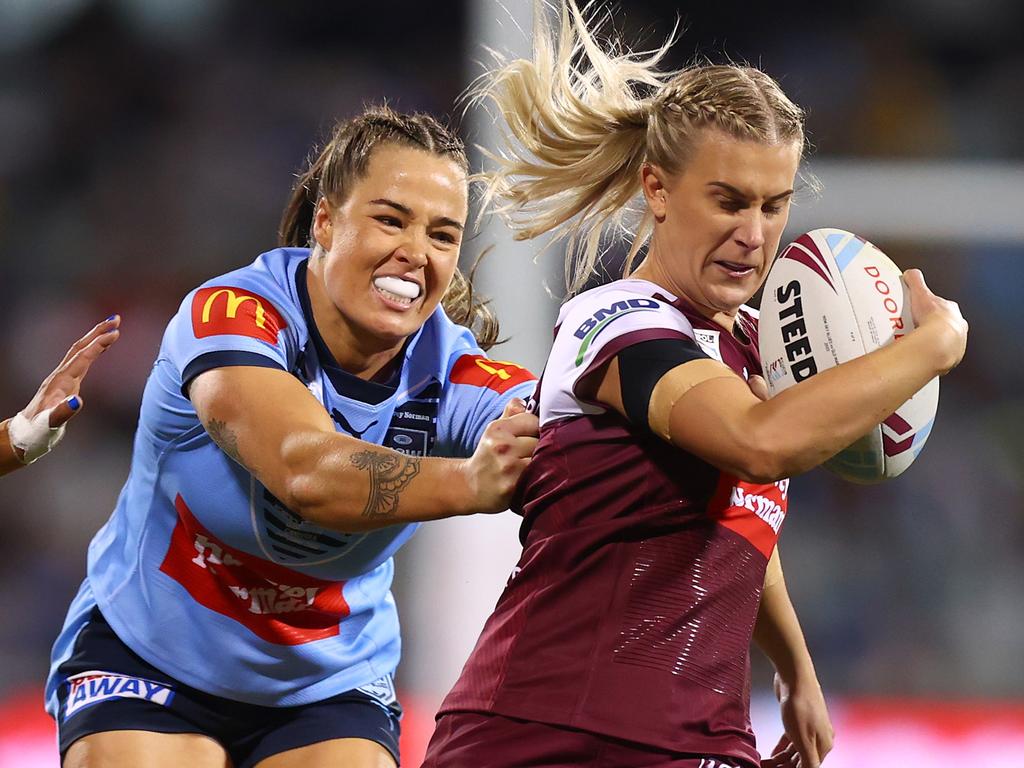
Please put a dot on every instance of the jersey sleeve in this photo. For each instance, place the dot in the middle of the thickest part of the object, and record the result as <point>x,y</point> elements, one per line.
<point>476,390</point>
<point>221,325</point>
<point>592,329</point>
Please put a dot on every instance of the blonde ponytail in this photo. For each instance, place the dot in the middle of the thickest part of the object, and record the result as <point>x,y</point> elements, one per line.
<point>576,121</point>
<point>581,121</point>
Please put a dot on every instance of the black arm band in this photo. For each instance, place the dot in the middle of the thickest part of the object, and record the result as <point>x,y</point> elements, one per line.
<point>641,367</point>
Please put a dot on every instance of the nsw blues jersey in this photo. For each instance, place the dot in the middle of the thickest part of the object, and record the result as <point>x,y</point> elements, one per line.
<point>201,570</point>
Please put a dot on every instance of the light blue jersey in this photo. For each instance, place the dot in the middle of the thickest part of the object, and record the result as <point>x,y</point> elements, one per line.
<point>207,576</point>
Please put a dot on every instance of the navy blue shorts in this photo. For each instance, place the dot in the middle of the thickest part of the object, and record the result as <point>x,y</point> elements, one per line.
<point>110,688</point>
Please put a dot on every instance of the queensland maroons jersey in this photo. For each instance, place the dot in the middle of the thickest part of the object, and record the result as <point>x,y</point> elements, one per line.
<point>631,610</point>
<point>201,570</point>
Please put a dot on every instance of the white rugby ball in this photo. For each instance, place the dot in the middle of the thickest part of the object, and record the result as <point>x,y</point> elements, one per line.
<point>832,296</point>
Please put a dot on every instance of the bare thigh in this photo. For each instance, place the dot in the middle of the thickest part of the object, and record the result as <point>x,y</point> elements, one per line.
<point>130,749</point>
<point>350,753</point>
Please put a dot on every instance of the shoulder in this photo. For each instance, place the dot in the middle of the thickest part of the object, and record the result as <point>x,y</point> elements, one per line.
<point>619,295</point>
<point>609,303</point>
<point>454,356</point>
<point>258,300</point>
<point>270,277</point>
<point>621,308</point>
<point>249,316</point>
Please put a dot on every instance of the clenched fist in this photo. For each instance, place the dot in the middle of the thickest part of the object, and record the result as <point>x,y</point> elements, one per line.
<point>502,456</point>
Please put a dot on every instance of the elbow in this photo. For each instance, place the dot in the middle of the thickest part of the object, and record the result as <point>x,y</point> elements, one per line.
<point>304,489</point>
<point>307,495</point>
<point>761,471</point>
<point>303,497</point>
<point>764,460</point>
<point>317,485</point>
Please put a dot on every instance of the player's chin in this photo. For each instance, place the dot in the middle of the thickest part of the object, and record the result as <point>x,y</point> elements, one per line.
<point>397,326</point>
<point>729,298</point>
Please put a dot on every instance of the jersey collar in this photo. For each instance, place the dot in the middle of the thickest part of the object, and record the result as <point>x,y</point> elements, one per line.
<point>345,383</point>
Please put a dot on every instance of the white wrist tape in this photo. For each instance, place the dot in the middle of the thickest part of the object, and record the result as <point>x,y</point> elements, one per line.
<point>34,437</point>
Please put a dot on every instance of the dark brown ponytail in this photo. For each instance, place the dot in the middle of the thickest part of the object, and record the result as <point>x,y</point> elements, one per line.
<point>296,226</point>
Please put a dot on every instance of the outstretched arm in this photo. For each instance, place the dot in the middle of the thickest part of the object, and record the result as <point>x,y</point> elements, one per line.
<point>39,426</point>
<point>804,713</point>
<point>267,421</point>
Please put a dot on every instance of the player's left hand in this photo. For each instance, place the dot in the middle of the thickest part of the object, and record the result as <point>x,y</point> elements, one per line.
<point>809,733</point>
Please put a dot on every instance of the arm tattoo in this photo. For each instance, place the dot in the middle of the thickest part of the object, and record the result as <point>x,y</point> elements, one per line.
<point>227,440</point>
<point>389,475</point>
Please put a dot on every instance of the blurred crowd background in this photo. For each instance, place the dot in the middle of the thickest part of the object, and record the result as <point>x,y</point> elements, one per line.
<point>146,145</point>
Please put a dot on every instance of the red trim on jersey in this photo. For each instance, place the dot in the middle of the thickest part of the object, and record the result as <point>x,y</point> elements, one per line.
<point>278,604</point>
<point>755,512</point>
<point>478,371</point>
<point>222,309</point>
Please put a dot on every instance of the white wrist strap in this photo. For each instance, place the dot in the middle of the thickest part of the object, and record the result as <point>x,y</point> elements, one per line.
<point>33,437</point>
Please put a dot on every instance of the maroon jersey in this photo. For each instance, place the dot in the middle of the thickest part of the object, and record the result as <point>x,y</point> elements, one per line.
<point>631,610</point>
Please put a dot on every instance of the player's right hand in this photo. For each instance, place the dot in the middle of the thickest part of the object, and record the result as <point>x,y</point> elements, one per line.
<point>941,314</point>
<point>502,456</point>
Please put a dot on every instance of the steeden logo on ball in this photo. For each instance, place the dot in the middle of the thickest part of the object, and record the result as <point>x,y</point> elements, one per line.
<point>830,297</point>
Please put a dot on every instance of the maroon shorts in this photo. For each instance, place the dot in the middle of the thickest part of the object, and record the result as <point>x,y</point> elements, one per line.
<point>472,740</point>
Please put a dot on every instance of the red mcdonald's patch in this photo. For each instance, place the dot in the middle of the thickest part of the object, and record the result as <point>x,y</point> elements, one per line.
<point>225,310</point>
<point>498,375</point>
<point>278,604</point>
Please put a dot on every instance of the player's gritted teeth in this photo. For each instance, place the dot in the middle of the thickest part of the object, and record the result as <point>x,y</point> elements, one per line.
<point>397,290</point>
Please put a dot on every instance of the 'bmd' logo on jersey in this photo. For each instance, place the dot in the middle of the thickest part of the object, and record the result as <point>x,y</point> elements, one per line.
<point>223,310</point>
<point>598,321</point>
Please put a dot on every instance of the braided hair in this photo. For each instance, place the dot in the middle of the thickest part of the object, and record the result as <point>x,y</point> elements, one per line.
<point>580,121</point>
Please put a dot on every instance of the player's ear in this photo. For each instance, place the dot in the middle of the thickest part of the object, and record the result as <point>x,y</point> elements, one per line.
<point>653,183</point>
<point>323,225</point>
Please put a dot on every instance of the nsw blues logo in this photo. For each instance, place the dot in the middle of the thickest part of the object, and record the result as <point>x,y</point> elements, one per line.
<point>413,427</point>
<point>289,537</point>
<point>90,688</point>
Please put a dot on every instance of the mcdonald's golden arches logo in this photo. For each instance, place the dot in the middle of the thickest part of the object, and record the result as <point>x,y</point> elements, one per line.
<point>222,310</point>
<point>498,375</point>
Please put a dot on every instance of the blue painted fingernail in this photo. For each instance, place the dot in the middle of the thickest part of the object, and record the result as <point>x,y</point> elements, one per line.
<point>110,318</point>
<point>74,403</point>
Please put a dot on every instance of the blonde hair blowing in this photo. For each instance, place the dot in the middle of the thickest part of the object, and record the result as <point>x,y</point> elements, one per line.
<point>581,121</point>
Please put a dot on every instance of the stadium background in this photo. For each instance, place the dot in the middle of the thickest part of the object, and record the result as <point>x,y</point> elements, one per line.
<point>148,144</point>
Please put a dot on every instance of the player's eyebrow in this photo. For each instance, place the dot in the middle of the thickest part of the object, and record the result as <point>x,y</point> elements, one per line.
<point>734,191</point>
<point>443,221</point>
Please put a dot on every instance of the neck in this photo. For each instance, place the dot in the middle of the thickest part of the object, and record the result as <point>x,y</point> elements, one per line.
<point>651,269</point>
<point>367,358</point>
